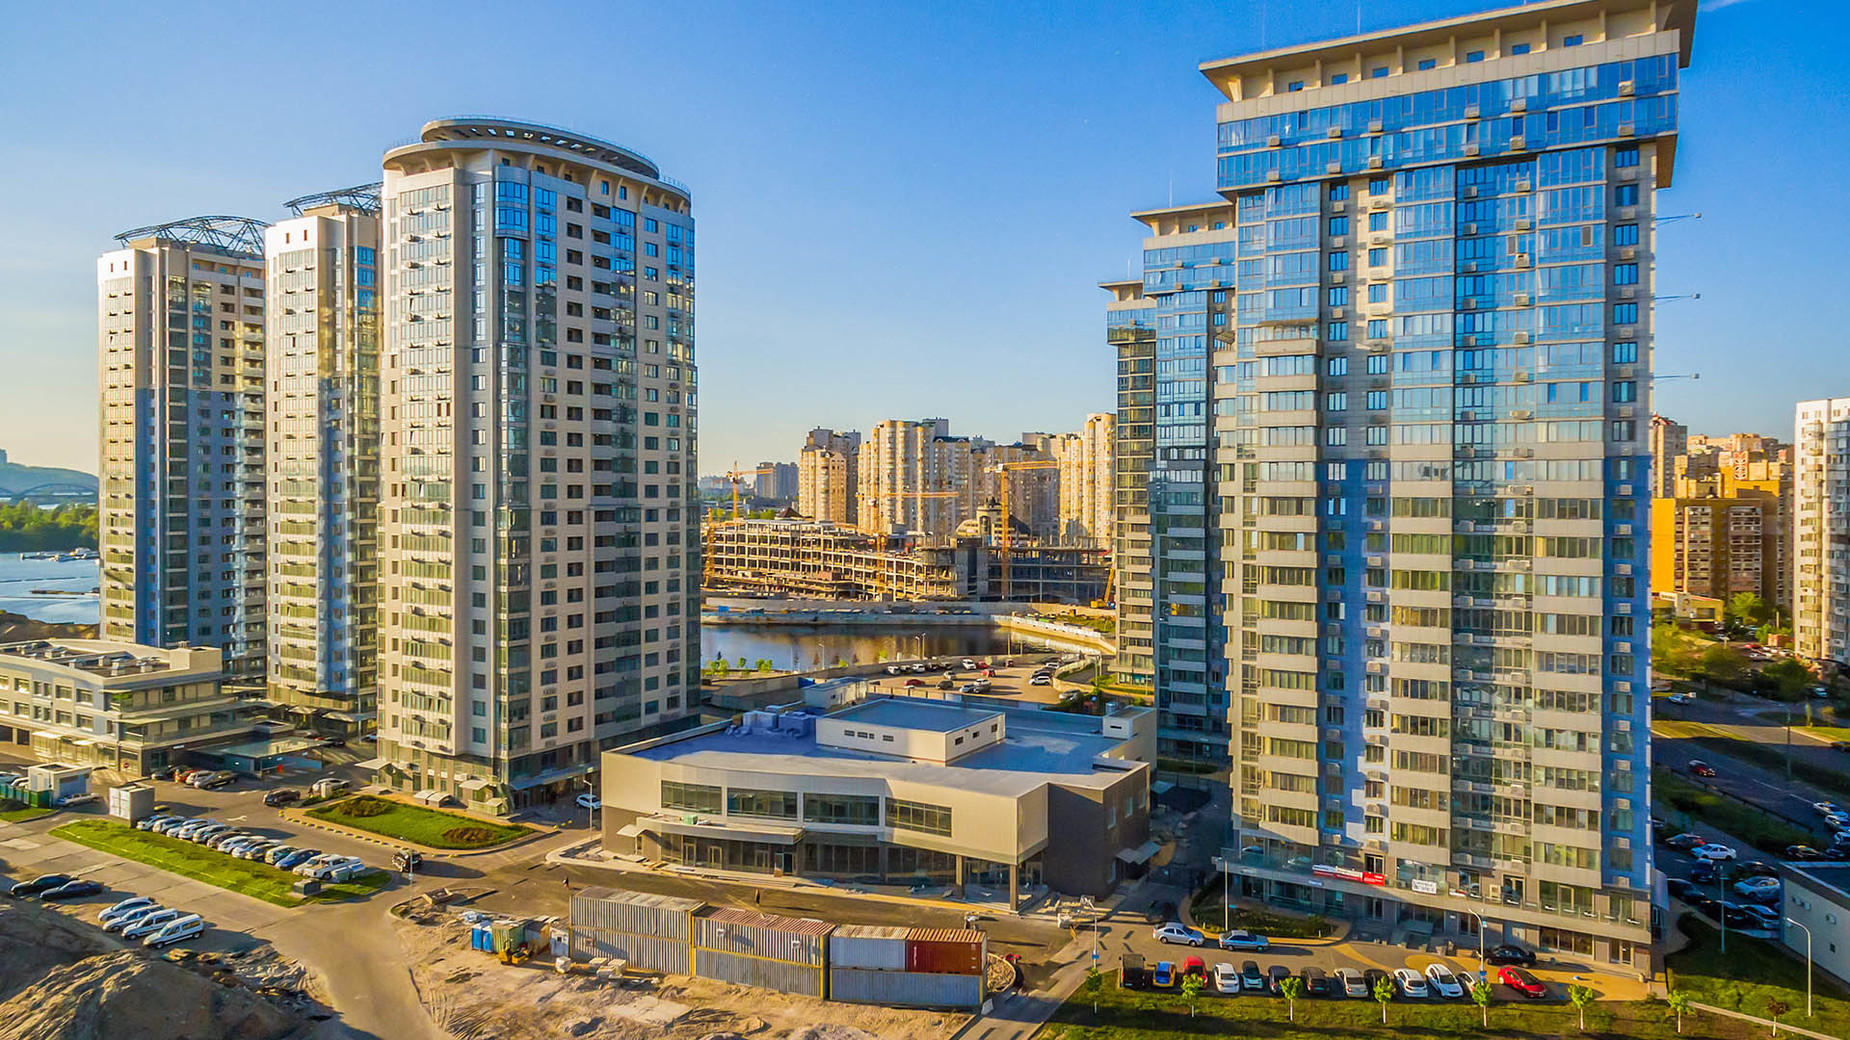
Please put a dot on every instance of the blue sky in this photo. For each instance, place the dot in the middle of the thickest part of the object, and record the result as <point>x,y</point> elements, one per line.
<point>904,209</point>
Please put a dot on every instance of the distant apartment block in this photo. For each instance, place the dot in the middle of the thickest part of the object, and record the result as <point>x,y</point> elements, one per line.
<point>181,373</point>
<point>1821,530</point>
<point>1724,529</point>
<point>322,454</point>
<point>1087,505</point>
<point>776,482</point>
<point>916,477</point>
<point>539,528</point>
<point>828,476</point>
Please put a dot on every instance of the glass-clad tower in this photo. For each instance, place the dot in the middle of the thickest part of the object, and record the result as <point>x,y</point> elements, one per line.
<point>1429,479</point>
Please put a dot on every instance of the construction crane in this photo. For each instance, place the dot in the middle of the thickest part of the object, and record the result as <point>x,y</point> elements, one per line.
<point>1007,537</point>
<point>735,476</point>
<point>880,586</point>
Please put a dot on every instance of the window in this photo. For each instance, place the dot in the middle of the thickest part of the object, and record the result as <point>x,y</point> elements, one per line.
<point>1377,364</point>
<point>1377,328</point>
<point>1625,274</point>
<point>1624,392</point>
<point>1379,185</point>
<point>1377,221</point>
<point>1339,225</point>
<point>1626,157</point>
<point>1339,295</point>
<point>1294,86</point>
<point>1625,314</point>
<point>918,816</point>
<point>850,809</point>
<point>1625,235</point>
<point>770,805</point>
<point>1377,72</point>
<point>1339,261</point>
<point>1378,292</point>
<point>1377,400</point>
<point>695,797</point>
<point>1519,48</point>
<point>1339,192</point>
<point>1625,195</point>
<point>1572,41</point>
<point>1625,353</point>
<point>1473,57</point>
<point>1336,402</point>
<point>1338,366</point>
<point>1377,257</point>
<point>1337,332</point>
<point>1339,78</point>
<point>1428,63</point>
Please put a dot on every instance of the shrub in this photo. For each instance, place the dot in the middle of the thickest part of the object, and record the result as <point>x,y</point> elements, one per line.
<point>471,835</point>
<point>363,806</point>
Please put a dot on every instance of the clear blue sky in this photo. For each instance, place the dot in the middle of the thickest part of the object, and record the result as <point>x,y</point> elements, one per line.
<point>904,209</point>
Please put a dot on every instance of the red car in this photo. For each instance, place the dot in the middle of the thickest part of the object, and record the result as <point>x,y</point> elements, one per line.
<point>1701,768</point>
<point>915,682</point>
<point>1523,982</point>
<point>1194,966</point>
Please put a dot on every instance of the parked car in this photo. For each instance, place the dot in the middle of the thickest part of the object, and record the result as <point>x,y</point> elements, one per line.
<point>1350,983</point>
<point>255,850</point>
<point>42,883</point>
<point>79,889</point>
<point>1523,982</point>
<point>1681,698</point>
<point>1802,852</point>
<point>1192,966</point>
<point>1824,808</point>
<point>1164,976</point>
<point>169,824</point>
<point>129,918</point>
<point>1762,888</point>
<point>1701,768</point>
<point>313,863</point>
<point>165,774</point>
<point>1754,868</point>
<point>148,924</point>
<point>918,669</point>
<point>115,910</point>
<point>969,665</point>
<point>1041,680</point>
<point>915,682</point>
<point>295,859</point>
<point>404,860</point>
<point>1239,939</point>
<point>1509,953</point>
<point>178,930</point>
<point>1704,872</point>
<point>1226,978</point>
<point>1715,852</point>
<point>1838,820</point>
<point>1739,917</point>
<point>282,796</point>
<point>589,801</point>
<point>1410,983</point>
<point>344,869</point>
<point>1444,982</point>
<point>1764,916</point>
<point>148,823</point>
<point>1679,888</point>
<point>275,853</point>
<point>1685,841</point>
<point>72,801</point>
<point>893,669</point>
<point>1252,980</point>
<point>1276,976</point>
<point>1176,932</point>
<point>1316,982</point>
<point>947,684</point>
<point>1131,972</point>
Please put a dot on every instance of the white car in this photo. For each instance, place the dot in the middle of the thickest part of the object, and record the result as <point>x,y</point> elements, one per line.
<point>969,665</point>
<point>1681,698</point>
<point>110,913</point>
<point>1175,932</point>
<point>1444,982</point>
<point>1410,983</point>
<point>1041,680</point>
<point>893,669</point>
<point>177,930</point>
<point>1226,978</point>
<point>1757,886</point>
<point>148,924</point>
<point>129,918</point>
<point>1824,808</point>
<point>1713,852</point>
<point>590,801</point>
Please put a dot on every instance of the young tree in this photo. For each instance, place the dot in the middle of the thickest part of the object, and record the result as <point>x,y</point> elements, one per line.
<point>1787,677</point>
<point>1581,997</point>
<point>1191,989</point>
<point>1293,988</point>
<point>1384,995</point>
<point>1094,982</point>
<point>1749,609</point>
<point>1722,663</point>
<point>1480,994</point>
<point>1679,1002</point>
<point>1775,1008</point>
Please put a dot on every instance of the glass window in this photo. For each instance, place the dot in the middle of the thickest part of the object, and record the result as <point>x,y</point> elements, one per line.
<point>1428,63</point>
<point>1339,225</point>
<point>1339,192</point>
<point>1520,48</point>
<point>1339,261</point>
<point>1377,364</point>
<point>1377,328</point>
<point>1294,86</point>
<point>1625,314</point>
<point>1572,41</point>
<point>1339,78</point>
<point>1625,352</point>
<point>1378,292</point>
<point>1625,195</point>
<point>770,805</point>
<point>1625,274</point>
<point>1338,366</point>
<point>1377,72</point>
<point>695,797</point>
<point>1379,185</point>
<point>852,809</point>
<point>1377,256</point>
<point>918,816</point>
<point>1338,331</point>
<point>1339,296</point>
<point>1473,57</point>
<point>1625,235</point>
<point>1377,221</point>
<point>1336,402</point>
<point>1624,392</point>
<point>1626,157</point>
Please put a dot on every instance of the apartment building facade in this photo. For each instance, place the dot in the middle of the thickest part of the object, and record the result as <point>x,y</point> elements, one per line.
<point>914,476</point>
<point>1724,529</point>
<point>828,476</point>
<point>181,501</point>
<point>1821,530</point>
<point>539,533</point>
<point>1086,480</point>
<point>322,455</point>
<point>1427,501</point>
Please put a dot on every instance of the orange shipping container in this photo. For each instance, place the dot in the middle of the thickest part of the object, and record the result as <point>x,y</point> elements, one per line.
<point>945,951</point>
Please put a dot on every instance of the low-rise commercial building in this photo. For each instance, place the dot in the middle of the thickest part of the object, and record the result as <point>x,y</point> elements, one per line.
<point>114,705</point>
<point>1818,899</point>
<point>894,790</point>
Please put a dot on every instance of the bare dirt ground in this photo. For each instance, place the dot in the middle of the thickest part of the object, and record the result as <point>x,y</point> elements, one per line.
<point>476,997</point>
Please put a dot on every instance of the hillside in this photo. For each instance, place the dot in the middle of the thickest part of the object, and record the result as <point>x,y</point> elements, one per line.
<point>15,477</point>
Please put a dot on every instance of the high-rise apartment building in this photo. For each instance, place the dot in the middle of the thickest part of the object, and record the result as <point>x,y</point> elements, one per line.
<point>828,476</point>
<point>1669,439</point>
<point>538,533</point>
<point>1086,503</point>
<point>1400,416</point>
<point>322,454</point>
<point>181,519</point>
<point>1821,530</point>
<point>776,481</point>
<point>1172,633</point>
<point>915,476</point>
<point>1724,529</point>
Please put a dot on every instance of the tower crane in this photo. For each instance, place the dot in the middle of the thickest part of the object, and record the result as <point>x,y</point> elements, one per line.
<point>1007,538</point>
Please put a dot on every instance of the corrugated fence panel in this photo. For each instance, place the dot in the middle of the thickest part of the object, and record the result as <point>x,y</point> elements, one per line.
<point>639,913</point>
<point>648,952</point>
<point>799,940</point>
<point>905,988</point>
<point>879,947</point>
<point>763,972</point>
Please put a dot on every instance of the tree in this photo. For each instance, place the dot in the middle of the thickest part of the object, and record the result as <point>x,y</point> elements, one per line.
<point>1480,994</point>
<point>1787,677</point>
<point>1293,988</point>
<point>765,664</point>
<point>1384,995</point>
<point>1679,1002</point>
<point>1722,663</point>
<point>1749,609</point>
<point>1581,997</point>
<point>1191,989</point>
<point>1675,651</point>
<point>1095,982</point>
<point>1776,1007</point>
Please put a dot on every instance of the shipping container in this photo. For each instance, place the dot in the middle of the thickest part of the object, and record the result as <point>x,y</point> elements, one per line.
<point>946,951</point>
<point>763,972</point>
<point>638,913</point>
<point>876,947</point>
<point>131,802</point>
<point>905,988</point>
<point>644,952</point>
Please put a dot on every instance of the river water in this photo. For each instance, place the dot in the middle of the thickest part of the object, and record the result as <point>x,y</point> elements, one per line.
<point>20,578</point>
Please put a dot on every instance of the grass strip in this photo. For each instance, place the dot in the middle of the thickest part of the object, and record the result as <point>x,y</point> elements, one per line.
<point>1752,973</point>
<point>178,856</point>
<point>1749,823</point>
<point>23,815</point>
<point>431,828</point>
<point>1773,759</point>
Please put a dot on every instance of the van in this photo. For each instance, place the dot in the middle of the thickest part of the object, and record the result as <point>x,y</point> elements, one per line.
<point>344,869</point>
<point>148,924</point>
<point>307,867</point>
<point>174,931</point>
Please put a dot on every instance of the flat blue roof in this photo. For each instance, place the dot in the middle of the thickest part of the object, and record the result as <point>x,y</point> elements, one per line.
<point>913,714</point>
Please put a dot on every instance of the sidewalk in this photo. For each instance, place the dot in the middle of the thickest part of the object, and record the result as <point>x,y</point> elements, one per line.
<point>1020,1016</point>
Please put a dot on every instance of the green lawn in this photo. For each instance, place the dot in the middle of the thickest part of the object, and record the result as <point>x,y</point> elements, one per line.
<point>1751,973</point>
<point>1163,1015</point>
<point>259,880</point>
<point>22,815</point>
<point>1765,832</point>
<point>431,828</point>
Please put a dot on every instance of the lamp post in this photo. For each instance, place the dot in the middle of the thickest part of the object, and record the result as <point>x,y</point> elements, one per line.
<point>590,788</point>
<point>1807,932</point>
<point>1483,962</point>
<point>1721,896</point>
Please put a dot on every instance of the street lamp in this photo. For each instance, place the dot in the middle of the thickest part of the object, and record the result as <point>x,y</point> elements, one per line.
<point>591,788</point>
<point>1483,962</point>
<point>1807,931</point>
